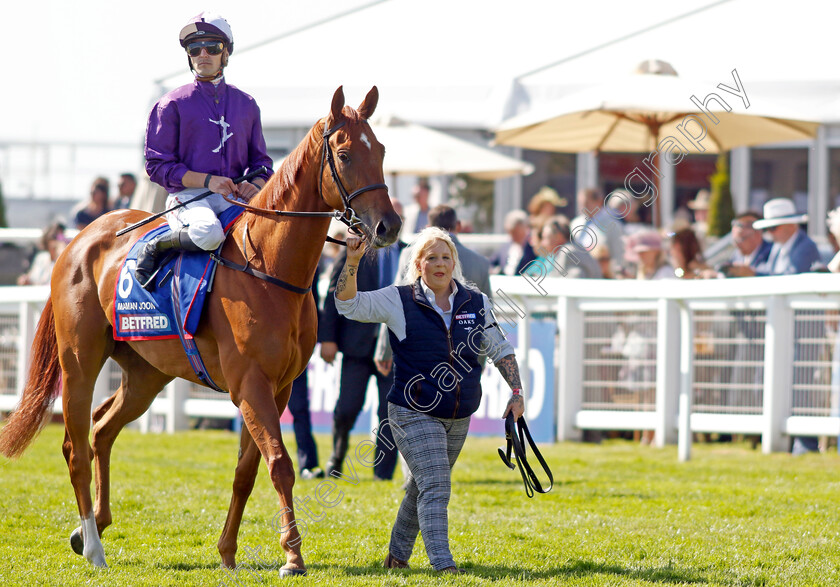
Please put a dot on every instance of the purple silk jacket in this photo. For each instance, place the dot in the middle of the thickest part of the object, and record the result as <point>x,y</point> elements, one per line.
<point>207,129</point>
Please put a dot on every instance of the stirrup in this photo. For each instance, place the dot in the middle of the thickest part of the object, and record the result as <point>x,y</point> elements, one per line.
<point>149,285</point>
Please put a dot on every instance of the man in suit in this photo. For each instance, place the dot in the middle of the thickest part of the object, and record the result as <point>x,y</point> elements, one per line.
<point>512,256</point>
<point>356,342</point>
<point>793,252</point>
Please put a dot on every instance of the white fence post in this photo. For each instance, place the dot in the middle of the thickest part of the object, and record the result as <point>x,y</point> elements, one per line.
<point>778,376</point>
<point>686,385</point>
<point>177,392</point>
<point>569,368</point>
<point>667,370</point>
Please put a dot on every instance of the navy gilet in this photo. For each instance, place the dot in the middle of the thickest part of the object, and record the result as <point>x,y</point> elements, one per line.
<point>436,370</point>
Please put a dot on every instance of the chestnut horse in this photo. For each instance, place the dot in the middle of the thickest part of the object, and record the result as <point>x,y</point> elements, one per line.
<point>255,337</point>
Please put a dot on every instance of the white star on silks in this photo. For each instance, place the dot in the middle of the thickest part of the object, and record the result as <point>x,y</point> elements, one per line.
<point>225,135</point>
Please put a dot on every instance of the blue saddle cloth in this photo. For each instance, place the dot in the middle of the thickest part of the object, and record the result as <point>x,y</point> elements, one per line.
<point>178,299</point>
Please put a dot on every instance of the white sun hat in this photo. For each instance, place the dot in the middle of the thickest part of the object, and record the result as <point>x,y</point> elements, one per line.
<point>779,211</point>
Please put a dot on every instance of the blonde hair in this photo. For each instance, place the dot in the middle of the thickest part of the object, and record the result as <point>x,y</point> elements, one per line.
<point>425,240</point>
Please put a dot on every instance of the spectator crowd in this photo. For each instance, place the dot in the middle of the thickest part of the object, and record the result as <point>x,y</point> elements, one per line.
<point>609,241</point>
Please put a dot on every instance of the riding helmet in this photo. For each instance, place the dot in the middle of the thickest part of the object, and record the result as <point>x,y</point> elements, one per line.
<point>205,26</point>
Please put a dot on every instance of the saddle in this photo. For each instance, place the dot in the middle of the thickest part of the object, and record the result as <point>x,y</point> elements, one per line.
<point>515,434</point>
<point>173,309</point>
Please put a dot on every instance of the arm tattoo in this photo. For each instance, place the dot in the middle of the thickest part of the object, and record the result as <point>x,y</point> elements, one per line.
<point>349,270</point>
<point>509,369</point>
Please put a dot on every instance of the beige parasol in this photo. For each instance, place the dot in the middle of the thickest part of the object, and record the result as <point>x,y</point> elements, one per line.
<point>654,110</point>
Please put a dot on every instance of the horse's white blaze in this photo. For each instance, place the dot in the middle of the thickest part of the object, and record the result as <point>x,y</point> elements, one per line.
<point>366,141</point>
<point>93,551</point>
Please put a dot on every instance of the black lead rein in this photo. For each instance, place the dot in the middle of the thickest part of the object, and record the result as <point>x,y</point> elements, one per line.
<point>516,444</point>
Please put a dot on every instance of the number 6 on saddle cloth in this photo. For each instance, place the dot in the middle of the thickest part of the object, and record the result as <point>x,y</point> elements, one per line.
<point>516,443</point>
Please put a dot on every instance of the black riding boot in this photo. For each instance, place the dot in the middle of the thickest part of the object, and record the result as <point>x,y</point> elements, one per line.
<point>149,256</point>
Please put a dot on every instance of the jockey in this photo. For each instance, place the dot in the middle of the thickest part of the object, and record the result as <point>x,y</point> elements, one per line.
<point>198,137</point>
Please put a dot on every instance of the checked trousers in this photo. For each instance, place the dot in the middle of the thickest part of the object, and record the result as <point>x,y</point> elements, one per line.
<point>430,447</point>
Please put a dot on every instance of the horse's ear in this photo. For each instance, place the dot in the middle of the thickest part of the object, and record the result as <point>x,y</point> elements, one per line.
<point>369,103</point>
<point>337,105</point>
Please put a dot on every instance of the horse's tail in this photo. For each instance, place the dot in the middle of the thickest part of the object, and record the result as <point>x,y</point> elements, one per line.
<point>40,391</point>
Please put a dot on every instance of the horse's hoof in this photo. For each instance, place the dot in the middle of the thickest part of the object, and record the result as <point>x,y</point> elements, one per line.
<point>292,573</point>
<point>77,543</point>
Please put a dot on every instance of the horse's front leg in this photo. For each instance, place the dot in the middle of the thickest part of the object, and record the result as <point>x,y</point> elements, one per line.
<point>262,418</point>
<point>243,483</point>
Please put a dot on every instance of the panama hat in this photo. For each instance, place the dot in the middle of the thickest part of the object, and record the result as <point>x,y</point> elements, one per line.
<point>779,211</point>
<point>545,195</point>
<point>701,200</point>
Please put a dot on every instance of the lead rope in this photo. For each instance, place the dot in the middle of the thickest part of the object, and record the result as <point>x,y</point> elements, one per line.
<point>516,444</point>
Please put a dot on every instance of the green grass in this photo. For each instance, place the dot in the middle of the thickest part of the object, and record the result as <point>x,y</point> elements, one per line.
<point>619,514</point>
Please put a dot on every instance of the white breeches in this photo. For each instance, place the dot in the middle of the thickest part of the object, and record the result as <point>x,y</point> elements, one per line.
<point>199,218</point>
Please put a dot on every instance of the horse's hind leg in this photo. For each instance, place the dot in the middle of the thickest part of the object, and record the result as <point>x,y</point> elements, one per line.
<point>141,382</point>
<point>243,483</point>
<point>82,353</point>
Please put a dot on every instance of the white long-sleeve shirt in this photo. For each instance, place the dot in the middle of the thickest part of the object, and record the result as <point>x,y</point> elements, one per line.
<point>384,305</point>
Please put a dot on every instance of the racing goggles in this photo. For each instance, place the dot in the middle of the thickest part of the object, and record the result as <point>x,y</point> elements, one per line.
<point>212,47</point>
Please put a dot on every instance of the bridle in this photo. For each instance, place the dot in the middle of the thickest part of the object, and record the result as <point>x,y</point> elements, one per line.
<point>347,216</point>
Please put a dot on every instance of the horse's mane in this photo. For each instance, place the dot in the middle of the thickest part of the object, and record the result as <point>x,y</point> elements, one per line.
<point>291,168</point>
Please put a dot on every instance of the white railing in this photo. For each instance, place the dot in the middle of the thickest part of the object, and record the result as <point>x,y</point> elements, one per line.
<point>747,356</point>
<point>751,356</point>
